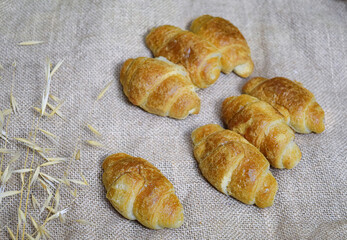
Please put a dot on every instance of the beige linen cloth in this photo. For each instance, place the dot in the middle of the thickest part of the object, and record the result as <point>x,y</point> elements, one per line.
<point>301,40</point>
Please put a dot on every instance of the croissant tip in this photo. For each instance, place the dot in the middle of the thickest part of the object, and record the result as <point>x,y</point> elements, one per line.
<point>112,158</point>
<point>315,120</point>
<point>244,70</point>
<point>251,84</point>
<point>292,156</point>
<point>267,192</point>
<point>171,213</point>
<point>228,99</point>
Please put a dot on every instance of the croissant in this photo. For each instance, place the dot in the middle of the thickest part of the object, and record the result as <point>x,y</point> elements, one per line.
<point>264,127</point>
<point>160,87</point>
<point>233,165</point>
<point>198,56</point>
<point>236,55</point>
<point>138,190</point>
<point>291,99</point>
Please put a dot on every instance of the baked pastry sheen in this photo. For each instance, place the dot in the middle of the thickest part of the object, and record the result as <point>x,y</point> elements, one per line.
<point>236,55</point>
<point>160,87</point>
<point>233,165</point>
<point>264,127</point>
<point>297,104</point>
<point>138,190</point>
<point>198,56</point>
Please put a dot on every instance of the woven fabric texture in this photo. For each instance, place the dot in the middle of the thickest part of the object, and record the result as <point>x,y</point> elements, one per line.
<point>302,40</point>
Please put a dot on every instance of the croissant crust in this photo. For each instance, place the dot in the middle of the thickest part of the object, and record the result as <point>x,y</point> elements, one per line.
<point>297,104</point>
<point>198,56</point>
<point>160,87</point>
<point>236,55</point>
<point>234,166</point>
<point>138,190</point>
<point>264,127</point>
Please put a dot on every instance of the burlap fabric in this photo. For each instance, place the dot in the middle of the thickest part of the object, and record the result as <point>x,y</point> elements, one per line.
<point>302,40</point>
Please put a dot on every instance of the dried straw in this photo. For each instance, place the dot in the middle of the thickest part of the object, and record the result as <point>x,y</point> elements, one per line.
<point>47,133</point>
<point>11,233</point>
<point>104,90</point>
<point>54,98</point>
<point>8,194</point>
<point>56,109</point>
<point>78,155</point>
<point>94,143</point>
<point>91,128</point>
<point>28,43</point>
<point>84,222</point>
<point>47,88</point>
<point>56,67</point>
<point>35,176</point>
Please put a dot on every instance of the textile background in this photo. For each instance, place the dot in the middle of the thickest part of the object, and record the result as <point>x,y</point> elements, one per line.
<point>298,39</point>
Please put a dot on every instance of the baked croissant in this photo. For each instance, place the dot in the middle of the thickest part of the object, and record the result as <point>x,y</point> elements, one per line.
<point>160,87</point>
<point>198,56</point>
<point>236,55</point>
<point>264,127</point>
<point>297,104</point>
<point>233,165</point>
<point>138,190</point>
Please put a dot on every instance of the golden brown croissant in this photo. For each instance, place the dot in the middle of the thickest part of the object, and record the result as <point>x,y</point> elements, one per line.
<point>160,87</point>
<point>236,55</point>
<point>233,165</point>
<point>138,190</point>
<point>264,127</point>
<point>297,104</point>
<point>198,56</point>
